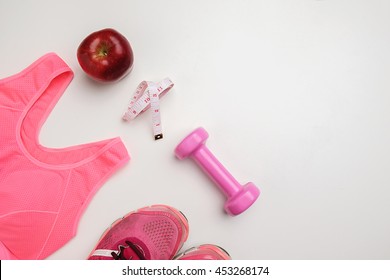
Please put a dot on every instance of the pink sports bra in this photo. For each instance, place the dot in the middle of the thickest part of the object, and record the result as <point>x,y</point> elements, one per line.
<point>44,191</point>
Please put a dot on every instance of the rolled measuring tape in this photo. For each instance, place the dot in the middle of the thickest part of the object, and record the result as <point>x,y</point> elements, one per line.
<point>147,95</point>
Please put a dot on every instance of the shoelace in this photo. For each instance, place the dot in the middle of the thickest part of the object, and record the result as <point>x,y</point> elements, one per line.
<point>130,245</point>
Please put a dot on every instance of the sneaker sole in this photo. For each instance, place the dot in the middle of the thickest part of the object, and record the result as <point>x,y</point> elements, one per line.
<point>215,248</point>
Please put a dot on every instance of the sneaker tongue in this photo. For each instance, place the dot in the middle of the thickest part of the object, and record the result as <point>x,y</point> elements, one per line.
<point>133,249</point>
<point>130,254</point>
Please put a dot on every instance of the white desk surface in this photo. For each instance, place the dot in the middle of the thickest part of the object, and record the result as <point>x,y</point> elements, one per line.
<point>295,97</point>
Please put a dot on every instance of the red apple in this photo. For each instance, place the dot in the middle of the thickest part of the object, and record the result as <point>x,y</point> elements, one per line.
<point>105,55</point>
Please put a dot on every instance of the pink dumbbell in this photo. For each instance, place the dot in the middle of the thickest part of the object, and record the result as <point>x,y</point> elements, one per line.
<point>239,197</point>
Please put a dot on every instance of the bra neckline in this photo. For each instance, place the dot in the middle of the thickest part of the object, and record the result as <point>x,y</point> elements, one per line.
<point>62,70</point>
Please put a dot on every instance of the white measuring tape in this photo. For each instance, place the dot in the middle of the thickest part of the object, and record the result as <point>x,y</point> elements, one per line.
<point>147,96</point>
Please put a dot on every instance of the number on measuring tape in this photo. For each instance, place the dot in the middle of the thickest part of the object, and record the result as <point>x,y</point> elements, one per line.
<point>145,96</point>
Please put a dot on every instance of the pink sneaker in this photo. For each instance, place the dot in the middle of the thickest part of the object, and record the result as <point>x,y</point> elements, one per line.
<point>152,233</point>
<point>204,252</point>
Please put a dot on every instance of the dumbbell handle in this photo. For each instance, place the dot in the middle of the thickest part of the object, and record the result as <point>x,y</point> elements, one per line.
<point>216,171</point>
